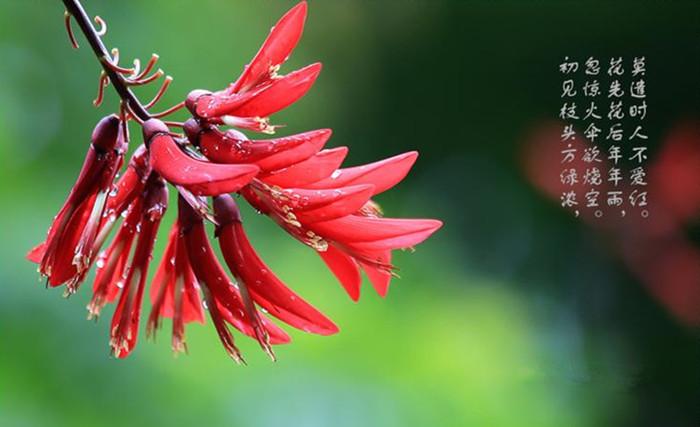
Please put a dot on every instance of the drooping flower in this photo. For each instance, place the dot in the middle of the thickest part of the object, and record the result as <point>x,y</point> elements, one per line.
<point>175,292</point>
<point>292,179</point>
<point>125,322</point>
<point>67,251</point>
<point>226,302</point>
<point>257,280</point>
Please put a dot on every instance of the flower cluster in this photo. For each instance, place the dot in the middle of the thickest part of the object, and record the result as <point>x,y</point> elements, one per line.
<point>292,179</point>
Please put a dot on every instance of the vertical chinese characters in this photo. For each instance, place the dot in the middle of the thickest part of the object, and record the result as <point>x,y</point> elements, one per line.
<point>603,150</point>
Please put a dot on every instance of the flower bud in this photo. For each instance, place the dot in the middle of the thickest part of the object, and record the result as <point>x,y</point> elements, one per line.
<point>104,136</point>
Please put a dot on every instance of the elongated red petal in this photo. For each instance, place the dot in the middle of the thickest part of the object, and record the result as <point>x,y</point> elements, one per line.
<point>268,154</point>
<point>112,263</point>
<point>348,201</point>
<point>192,310</point>
<point>125,322</point>
<point>311,170</point>
<point>283,37</point>
<point>132,182</point>
<point>344,268</point>
<point>57,263</point>
<point>261,101</point>
<point>210,274</point>
<point>304,200</point>
<point>358,230</point>
<point>163,282</point>
<point>265,287</point>
<point>407,240</point>
<point>200,177</point>
<point>383,174</point>
<point>175,292</point>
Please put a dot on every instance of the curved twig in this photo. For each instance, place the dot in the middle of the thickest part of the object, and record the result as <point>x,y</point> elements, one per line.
<point>149,66</point>
<point>103,26</point>
<point>69,29</point>
<point>153,77</point>
<point>104,81</point>
<point>161,92</point>
<point>169,111</point>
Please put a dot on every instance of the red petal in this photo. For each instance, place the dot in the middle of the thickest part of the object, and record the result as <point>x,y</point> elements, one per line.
<point>283,37</point>
<point>269,154</point>
<point>163,281</point>
<point>348,200</point>
<point>125,322</point>
<point>192,310</point>
<point>210,273</point>
<point>200,177</point>
<point>58,259</point>
<point>311,170</point>
<point>345,269</point>
<point>174,291</point>
<point>111,264</point>
<point>265,287</point>
<point>132,183</point>
<point>384,174</point>
<point>378,273</point>
<point>359,231</point>
<point>263,101</point>
<point>37,253</point>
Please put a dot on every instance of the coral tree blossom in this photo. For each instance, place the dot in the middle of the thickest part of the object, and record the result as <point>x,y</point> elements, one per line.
<point>293,179</point>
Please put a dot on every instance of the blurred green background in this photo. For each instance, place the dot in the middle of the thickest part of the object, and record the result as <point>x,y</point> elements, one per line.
<point>514,314</point>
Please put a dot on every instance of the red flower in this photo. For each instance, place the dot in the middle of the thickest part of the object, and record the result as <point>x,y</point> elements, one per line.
<point>199,177</point>
<point>256,278</point>
<point>226,301</point>
<point>260,91</point>
<point>125,322</point>
<point>175,292</point>
<point>66,254</point>
<point>292,179</point>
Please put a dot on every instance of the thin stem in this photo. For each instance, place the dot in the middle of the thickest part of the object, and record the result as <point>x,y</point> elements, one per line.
<point>76,10</point>
<point>161,92</point>
<point>169,111</point>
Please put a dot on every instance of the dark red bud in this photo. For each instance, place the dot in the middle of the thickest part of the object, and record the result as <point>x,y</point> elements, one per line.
<point>226,210</point>
<point>153,127</point>
<point>193,97</point>
<point>193,130</point>
<point>104,136</point>
<point>156,200</point>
